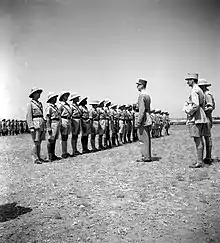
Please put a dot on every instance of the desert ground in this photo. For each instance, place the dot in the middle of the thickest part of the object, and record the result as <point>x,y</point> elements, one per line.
<point>107,196</point>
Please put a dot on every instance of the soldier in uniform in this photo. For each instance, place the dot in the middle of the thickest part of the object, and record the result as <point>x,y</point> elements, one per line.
<point>102,123</point>
<point>8,125</point>
<point>196,117</point>
<point>35,122</point>
<point>121,116</point>
<point>0,128</point>
<point>25,125</point>
<point>153,128</point>
<point>135,116</point>
<point>144,121</point>
<point>209,107</point>
<point>17,127</point>
<point>21,127</point>
<point>65,128</point>
<point>76,123</point>
<point>4,127</point>
<point>167,123</point>
<point>12,127</point>
<point>108,132</point>
<point>53,118</point>
<point>129,122</point>
<point>85,125</point>
<point>94,119</point>
<point>114,124</point>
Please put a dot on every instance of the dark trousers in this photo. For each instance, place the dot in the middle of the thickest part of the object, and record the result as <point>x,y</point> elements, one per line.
<point>145,139</point>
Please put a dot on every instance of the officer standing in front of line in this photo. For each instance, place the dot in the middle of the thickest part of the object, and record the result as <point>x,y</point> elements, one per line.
<point>144,121</point>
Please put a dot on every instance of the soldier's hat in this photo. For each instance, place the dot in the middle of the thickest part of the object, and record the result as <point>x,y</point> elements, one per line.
<point>51,95</point>
<point>94,102</point>
<point>63,93</point>
<point>74,96</point>
<point>203,82</point>
<point>128,106</point>
<point>107,102</point>
<point>152,111</point>
<point>82,99</point>
<point>121,106</point>
<point>141,81</point>
<point>157,111</point>
<point>192,76</point>
<point>113,106</point>
<point>102,102</point>
<point>3,119</point>
<point>35,90</point>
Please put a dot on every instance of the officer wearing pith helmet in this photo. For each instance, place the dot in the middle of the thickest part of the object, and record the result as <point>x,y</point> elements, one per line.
<point>196,118</point>
<point>209,107</point>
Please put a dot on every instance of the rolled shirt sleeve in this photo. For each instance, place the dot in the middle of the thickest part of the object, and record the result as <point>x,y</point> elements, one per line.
<point>194,104</point>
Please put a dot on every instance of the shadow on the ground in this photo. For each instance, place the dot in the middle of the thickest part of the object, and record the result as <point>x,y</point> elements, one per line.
<point>155,158</point>
<point>12,211</point>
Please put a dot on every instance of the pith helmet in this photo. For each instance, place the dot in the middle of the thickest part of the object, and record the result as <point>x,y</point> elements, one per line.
<point>74,96</point>
<point>83,99</point>
<point>142,81</point>
<point>50,96</point>
<point>192,76</point>
<point>94,102</point>
<point>34,90</point>
<point>102,102</point>
<point>63,93</point>
<point>121,106</point>
<point>107,102</point>
<point>203,82</point>
<point>113,106</point>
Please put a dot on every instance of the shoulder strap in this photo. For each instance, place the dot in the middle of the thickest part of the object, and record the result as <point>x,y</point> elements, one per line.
<point>38,105</point>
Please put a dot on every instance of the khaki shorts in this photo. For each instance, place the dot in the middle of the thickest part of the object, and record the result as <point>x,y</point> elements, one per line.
<point>65,127</point>
<point>76,123</point>
<point>198,130</point>
<point>86,128</point>
<point>38,135</point>
<point>121,127</point>
<point>95,128</point>
<point>102,127</point>
<point>55,126</point>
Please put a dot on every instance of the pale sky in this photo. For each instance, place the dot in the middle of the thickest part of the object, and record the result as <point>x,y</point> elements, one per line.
<point>99,48</point>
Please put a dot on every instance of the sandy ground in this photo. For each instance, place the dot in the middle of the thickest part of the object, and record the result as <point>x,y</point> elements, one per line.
<point>108,197</point>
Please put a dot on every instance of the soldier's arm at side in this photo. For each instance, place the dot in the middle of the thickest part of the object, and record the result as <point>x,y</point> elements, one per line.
<point>194,105</point>
<point>141,106</point>
<point>29,116</point>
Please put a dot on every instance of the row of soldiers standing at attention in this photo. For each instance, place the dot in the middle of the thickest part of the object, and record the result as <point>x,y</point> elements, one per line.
<point>13,127</point>
<point>112,124</point>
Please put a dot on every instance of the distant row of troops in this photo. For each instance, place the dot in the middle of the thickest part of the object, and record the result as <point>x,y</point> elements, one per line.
<point>13,127</point>
<point>113,124</point>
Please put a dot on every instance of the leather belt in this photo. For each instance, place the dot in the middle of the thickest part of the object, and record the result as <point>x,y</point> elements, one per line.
<point>65,117</point>
<point>55,119</point>
<point>40,116</point>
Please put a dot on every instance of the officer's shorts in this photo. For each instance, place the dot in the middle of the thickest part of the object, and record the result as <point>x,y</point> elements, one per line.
<point>198,130</point>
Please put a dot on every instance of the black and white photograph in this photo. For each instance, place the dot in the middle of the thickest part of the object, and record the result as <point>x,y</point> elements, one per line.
<point>109,121</point>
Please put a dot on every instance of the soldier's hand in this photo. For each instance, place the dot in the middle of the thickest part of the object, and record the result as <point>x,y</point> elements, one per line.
<point>32,130</point>
<point>50,131</point>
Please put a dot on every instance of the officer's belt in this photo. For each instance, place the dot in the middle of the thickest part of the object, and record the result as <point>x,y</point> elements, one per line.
<point>39,116</point>
<point>95,119</point>
<point>65,117</point>
<point>55,119</point>
<point>76,117</point>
